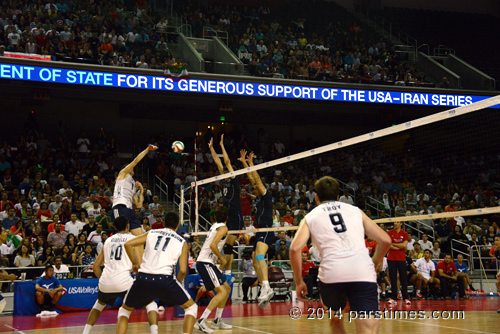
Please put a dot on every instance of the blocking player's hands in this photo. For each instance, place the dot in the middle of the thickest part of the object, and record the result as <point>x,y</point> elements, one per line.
<point>242,158</point>
<point>250,158</point>
<point>211,143</point>
<point>139,186</point>
<point>152,147</point>
<point>222,140</point>
<point>301,289</point>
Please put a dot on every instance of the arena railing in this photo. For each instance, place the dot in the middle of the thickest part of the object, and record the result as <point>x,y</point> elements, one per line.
<point>369,204</point>
<point>162,188</point>
<point>455,251</point>
<point>483,271</point>
<point>419,231</point>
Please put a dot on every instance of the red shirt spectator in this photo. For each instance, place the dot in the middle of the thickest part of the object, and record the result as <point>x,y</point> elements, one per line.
<point>371,245</point>
<point>448,269</point>
<point>246,203</point>
<point>157,225</point>
<point>397,237</point>
<point>306,266</point>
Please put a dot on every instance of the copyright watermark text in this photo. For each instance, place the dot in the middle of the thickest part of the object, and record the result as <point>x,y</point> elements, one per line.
<point>321,313</point>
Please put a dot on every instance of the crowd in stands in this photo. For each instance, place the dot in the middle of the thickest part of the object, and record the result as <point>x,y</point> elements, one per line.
<point>108,33</point>
<point>103,32</point>
<point>283,46</point>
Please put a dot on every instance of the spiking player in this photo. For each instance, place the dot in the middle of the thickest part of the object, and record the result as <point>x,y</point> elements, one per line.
<point>156,278</point>
<point>263,239</point>
<point>211,275</point>
<point>124,195</point>
<point>231,201</point>
<point>115,280</point>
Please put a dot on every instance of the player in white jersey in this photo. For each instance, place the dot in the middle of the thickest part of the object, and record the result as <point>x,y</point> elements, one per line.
<point>124,194</point>
<point>115,280</point>
<point>156,277</point>
<point>211,275</point>
<point>347,273</point>
<point>425,273</point>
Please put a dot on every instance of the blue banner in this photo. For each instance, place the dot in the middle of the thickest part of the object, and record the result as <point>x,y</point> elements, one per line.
<point>78,295</point>
<point>161,83</point>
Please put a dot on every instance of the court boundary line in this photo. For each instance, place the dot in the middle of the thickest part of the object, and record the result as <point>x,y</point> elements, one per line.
<point>456,328</point>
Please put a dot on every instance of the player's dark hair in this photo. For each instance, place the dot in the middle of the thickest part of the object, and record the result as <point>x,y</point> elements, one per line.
<point>327,189</point>
<point>171,220</point>
<point>121,223</point>
<point>221,214</point>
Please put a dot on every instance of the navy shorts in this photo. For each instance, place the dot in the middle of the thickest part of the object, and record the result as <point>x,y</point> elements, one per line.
<point>109,298</point>
<point>148,287</point>
<point>362,296</point>
<point>123,211</point>
<point>210,274</point>
<point>265,237</point>
<point>234,222</point>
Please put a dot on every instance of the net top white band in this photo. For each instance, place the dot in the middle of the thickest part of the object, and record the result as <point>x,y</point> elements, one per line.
<point>458,111</point>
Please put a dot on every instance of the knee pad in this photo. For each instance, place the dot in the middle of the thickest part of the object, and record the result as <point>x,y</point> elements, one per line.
<point>152,307</point>
<point>228,249</point>
<point>191,310</point>
<point>260,257</point>
<point>98,306</point>
<point>122,312</point>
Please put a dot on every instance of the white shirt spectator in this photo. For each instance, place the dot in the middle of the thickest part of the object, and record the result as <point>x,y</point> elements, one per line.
<point>75,228</point>
<point>94,237</point>
<point>425,245</point>
<point>346,199</point>
<point>425,267</point>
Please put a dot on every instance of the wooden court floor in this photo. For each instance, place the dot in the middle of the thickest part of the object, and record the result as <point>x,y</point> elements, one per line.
<point>479,316</point>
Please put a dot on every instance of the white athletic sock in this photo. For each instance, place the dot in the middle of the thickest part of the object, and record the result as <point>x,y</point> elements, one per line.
<point>418,291</point>
<point>228,272</point>
<point>218,313</point>
<point>87,329</point>
<point>154,329</point>
<point>205,314</point>
<point>266,285</point>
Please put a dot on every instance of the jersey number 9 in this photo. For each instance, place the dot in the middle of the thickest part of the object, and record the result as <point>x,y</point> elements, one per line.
<point>338,223</point>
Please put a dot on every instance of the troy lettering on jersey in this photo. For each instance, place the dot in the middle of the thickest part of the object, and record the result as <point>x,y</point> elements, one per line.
<point>331,207</point>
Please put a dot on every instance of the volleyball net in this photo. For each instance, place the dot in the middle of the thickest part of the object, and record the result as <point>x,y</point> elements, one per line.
<point>435,167</point>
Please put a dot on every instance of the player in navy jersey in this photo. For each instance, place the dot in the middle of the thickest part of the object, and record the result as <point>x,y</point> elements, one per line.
<point>231,201</point>
<point>263,240</point>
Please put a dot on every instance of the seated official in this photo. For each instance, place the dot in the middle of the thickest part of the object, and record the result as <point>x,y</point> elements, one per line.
<point>48,290</point>
<point>447,274</point>
<point>308,279</point>
<point>249,274</point>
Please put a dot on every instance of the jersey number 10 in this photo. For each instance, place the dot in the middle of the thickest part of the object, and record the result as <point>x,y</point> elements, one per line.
<point>116,252</point>
<point>338,222</point>
<point>167,240</point>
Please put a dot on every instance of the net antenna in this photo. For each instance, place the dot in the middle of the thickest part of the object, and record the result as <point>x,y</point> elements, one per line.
<point>440,116</point>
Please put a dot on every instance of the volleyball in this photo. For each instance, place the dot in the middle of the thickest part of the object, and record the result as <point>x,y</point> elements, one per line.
<point>178,146</point>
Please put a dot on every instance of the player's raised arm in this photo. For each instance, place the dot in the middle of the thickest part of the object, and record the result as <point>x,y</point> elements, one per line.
<point>96,267</point>
<point>183,262</point>
<point>243,160</point>
<point>215,156</point>
<point>227,162</point>
<point>257,182</point>
<point>373,231</point>
<point>130,167</point>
